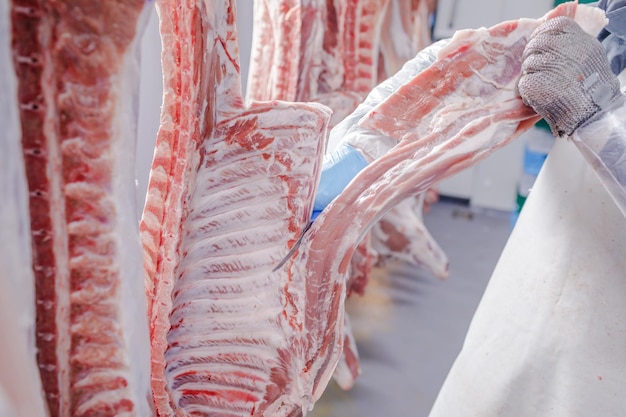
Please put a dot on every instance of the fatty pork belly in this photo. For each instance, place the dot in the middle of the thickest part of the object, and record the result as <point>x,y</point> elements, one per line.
<point>77,69</point>
<point>400,233</point>
<point>230,191</point>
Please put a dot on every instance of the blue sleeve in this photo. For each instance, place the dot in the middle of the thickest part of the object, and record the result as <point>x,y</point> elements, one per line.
<point>339,168</point>
<point>613,36</point>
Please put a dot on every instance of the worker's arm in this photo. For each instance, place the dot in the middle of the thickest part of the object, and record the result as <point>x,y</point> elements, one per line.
<point>567,79</point>
<point>339,168</point>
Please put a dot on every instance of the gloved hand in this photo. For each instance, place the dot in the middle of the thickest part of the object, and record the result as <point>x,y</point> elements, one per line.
<point>339,168</point>
<point>566,76</point>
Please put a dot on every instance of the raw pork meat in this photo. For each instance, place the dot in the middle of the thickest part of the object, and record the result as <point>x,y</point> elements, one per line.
<point>398,30</point>
<point>231,189</point>
<point>348,44</point>
<point>315,50</point>
<point>451,115</point>
<point>286,54</point>
<point>400,233</point>
<point>350,55</point>
<point>21,394</point>
<point>77,76</point>
<point>406,31</point>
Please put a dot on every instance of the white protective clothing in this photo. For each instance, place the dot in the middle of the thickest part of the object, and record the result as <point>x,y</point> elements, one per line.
<point>549,336</point>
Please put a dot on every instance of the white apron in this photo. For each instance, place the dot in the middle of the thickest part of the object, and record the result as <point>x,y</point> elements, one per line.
<point>549,336</point>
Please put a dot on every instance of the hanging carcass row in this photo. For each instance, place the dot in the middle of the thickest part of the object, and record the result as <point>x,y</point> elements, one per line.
<point>334,52</point>
<point>231,190</point>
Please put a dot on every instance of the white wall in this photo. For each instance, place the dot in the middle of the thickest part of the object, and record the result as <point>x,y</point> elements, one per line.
<point>454,15</point>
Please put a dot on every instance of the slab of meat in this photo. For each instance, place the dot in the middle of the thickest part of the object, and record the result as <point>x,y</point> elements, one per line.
<point>21,394</point>
<point>487,66</point>
<point>350,64</point>
<point>315,50</point>
<point>401,234</point>
<point>462,108</point>
<point>77,70</point>
<point>231,189</point>
<point>366,29</point>
<point>286,58</point>
<point>406,31</point>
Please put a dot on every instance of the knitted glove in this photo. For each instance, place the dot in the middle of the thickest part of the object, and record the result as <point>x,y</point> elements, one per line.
<point>566,76</point>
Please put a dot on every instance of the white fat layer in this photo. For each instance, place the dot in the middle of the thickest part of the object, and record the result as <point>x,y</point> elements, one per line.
<point>228,307</point>
<point>21,393</point>
<point>590,19</point>
<point>132,310</point>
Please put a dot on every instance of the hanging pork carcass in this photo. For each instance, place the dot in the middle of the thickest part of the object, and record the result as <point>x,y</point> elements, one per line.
<point>231,190</point>
<point>77,68</point>
<point>328,52</point>
<point>21,393</point>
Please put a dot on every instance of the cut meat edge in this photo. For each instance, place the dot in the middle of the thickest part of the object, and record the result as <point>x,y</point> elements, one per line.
<point>415,100</point>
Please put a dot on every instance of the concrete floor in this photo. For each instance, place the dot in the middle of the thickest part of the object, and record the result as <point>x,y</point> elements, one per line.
<point>410,326</point>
